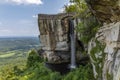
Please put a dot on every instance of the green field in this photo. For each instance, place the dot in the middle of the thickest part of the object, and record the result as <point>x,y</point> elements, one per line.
<point>7,55</point>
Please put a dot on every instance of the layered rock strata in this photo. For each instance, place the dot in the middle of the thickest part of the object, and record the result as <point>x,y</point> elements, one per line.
<point>55,36</point>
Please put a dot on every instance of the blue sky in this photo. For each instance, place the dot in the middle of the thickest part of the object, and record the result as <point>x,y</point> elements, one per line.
<point>19,17</point>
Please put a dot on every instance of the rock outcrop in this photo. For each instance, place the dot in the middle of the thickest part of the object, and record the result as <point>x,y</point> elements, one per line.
<point>55,36</point>
<point>108,59</point>
<point>106,11</point>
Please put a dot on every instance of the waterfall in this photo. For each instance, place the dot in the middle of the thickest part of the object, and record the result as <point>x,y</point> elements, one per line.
<point>72,39</point>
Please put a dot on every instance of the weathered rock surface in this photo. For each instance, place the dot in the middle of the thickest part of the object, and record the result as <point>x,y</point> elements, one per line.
<point>109,34</point>
<point>108,13</point>
<point>105,10</point>
<point>55,36</point>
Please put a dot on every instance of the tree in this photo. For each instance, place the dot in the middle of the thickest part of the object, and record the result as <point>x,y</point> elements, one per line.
<point>77,6</point>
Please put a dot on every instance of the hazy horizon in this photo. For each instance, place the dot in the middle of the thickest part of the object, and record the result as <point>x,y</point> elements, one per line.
<point>15,36</point>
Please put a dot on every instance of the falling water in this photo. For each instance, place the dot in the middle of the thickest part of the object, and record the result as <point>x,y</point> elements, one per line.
<point>72,38</point>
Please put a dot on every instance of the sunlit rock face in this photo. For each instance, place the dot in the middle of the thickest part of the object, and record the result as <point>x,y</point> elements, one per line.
<point>110,35</point>
<point>106,60</point>
<point>108,13</point>
<point>55,36</point>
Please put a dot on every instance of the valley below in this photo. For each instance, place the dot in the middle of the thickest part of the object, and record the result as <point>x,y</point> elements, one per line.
<point>13,50</point>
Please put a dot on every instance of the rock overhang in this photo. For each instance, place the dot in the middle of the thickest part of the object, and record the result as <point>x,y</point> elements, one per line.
<point>106,11</point>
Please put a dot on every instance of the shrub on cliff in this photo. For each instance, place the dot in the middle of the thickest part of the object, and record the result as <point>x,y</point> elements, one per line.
<point>33,58</point>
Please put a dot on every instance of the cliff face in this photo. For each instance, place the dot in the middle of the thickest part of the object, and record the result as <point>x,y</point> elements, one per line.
<point>106,63</point>
<point>55,36</point>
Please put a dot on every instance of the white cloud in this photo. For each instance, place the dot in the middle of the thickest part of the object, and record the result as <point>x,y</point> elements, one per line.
<point>68,4</point>
<point>36,2</point>
<point>35,16</point>
<point>61,10</point>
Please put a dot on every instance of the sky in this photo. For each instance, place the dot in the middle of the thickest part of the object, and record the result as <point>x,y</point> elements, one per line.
<point>19,17</point>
